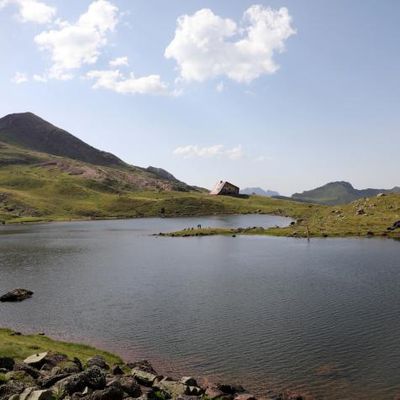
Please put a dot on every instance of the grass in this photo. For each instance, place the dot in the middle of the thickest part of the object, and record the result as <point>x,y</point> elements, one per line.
<point>20,347</point>
<point>366,217</point>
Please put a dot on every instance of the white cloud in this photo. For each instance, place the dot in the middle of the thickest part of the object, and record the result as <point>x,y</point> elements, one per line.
<point>217,150</point>
<point>207,46</point>
<point>119,62</point>
<point>114,80</point>
<point>32,10</point>
<point>39,78</point>
<point>73,45</point>
<point>20,77</point>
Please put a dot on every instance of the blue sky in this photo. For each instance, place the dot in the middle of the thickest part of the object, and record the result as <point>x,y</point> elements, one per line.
<point>286,95</point>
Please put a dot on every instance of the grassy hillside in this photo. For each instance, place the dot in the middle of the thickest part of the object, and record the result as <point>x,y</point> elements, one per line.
<point>365,217</point>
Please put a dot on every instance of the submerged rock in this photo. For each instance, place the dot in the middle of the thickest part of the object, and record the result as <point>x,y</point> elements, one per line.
<point>16,295</point>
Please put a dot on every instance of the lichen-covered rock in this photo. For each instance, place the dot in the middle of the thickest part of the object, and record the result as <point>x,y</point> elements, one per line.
<point>98,361</point>
<point>143,365</point>
<point>143,377</point>
<point>11,388</point>
<point>20,376</point>
<point>33,372</point>
<point>93,377</point>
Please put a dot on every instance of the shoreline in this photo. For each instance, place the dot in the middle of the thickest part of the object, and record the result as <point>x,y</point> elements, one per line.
<point>149,384</point>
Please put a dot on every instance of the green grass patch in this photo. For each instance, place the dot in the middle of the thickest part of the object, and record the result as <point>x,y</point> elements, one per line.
<point>20,347</point>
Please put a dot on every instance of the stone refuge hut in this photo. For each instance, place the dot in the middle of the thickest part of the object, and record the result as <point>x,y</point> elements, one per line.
<point>224,188</point>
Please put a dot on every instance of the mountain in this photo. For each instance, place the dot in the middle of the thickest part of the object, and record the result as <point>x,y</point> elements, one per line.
<point>259,192</point>
<point>335,193</point>
<point>26,139</point>
<point>29,131</point>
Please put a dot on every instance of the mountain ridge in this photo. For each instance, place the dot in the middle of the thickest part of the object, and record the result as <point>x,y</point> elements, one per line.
<point>259,192</point>
<point>338,192</point>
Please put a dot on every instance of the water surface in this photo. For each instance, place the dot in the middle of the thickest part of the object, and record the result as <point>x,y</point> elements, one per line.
<point>319,316</point>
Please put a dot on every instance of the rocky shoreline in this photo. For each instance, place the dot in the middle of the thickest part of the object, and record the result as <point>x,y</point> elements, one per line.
<point>52,375</point>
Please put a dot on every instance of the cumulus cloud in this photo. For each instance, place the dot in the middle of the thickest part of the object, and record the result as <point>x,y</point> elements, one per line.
<point>117,82</point>
<point>73,45</point>
<point>119,62</point>
<point>207,46</point>
<point>19,77</point>
<point>32,10</point>
<point>217,150</point>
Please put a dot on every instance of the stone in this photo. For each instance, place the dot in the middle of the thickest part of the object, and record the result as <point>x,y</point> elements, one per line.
<point>143,377</point>
<point>214,393</point>
<point>117,370</point>
<point>98,361</point>
<point>245,396</point>
<point>129,386</point>
<point>16,295</point>
<point>143,365</point>
<point>40,395</point>
<point>230,389</point>
<point>111,393</point>
<point>193,391</point>
<point>173,388</point>
<point>51,380</point>
<point>7,363</point>
<point>93,377</point>
<point>33,372</point>
<point>25,394</point>
<point>11,388</point>
<point>36,360</point>
<point>20,376</point>
<point>189,381</point>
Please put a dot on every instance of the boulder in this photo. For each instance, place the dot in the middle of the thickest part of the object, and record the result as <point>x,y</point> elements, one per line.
<point>143,365</point>
<point>36,360</point>
<point>11,388</point>
<point>40,395</point>
<point>16,295</point>
<point>93,377</point>
<point>189,381</point>
<point>20,376</point>
<point>129,385</point>
<point>173,388</point>
<point>213,392</point>
<point>230,389</point>
<point>98,361</point>
<point>143,377</point>
<point>49,381</point>
<point>110,393</point>
<point>33,372</point>
<point>117,370</point>
<point>7,363</point>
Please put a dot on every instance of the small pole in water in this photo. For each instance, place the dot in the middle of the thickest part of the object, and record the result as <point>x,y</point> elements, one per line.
<point>308,233</point>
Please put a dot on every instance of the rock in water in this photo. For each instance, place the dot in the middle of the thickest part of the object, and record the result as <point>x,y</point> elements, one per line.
<point>16,295</point>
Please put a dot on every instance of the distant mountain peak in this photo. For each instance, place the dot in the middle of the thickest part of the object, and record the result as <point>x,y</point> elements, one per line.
<point>259,192</point>
<point>339,192</point>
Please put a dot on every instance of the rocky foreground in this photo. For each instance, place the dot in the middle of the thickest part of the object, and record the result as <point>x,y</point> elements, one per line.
<point>53,376</point>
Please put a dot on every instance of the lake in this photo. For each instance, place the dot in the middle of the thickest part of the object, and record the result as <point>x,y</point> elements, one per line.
<point>321,317</point>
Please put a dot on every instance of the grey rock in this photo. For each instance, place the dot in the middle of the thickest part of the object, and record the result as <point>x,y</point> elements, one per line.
<point>110,393</point>
<point>143,377</point>
<point>117,370</point>
<point>40,395</point>
<point>11,388</point>
<point>143,365</point>
<point>98,361</point>
<point>93,377</point>
<point>33,372</point>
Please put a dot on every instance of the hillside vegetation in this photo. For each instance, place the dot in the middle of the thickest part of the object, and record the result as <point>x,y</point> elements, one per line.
<point>371,217</point>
